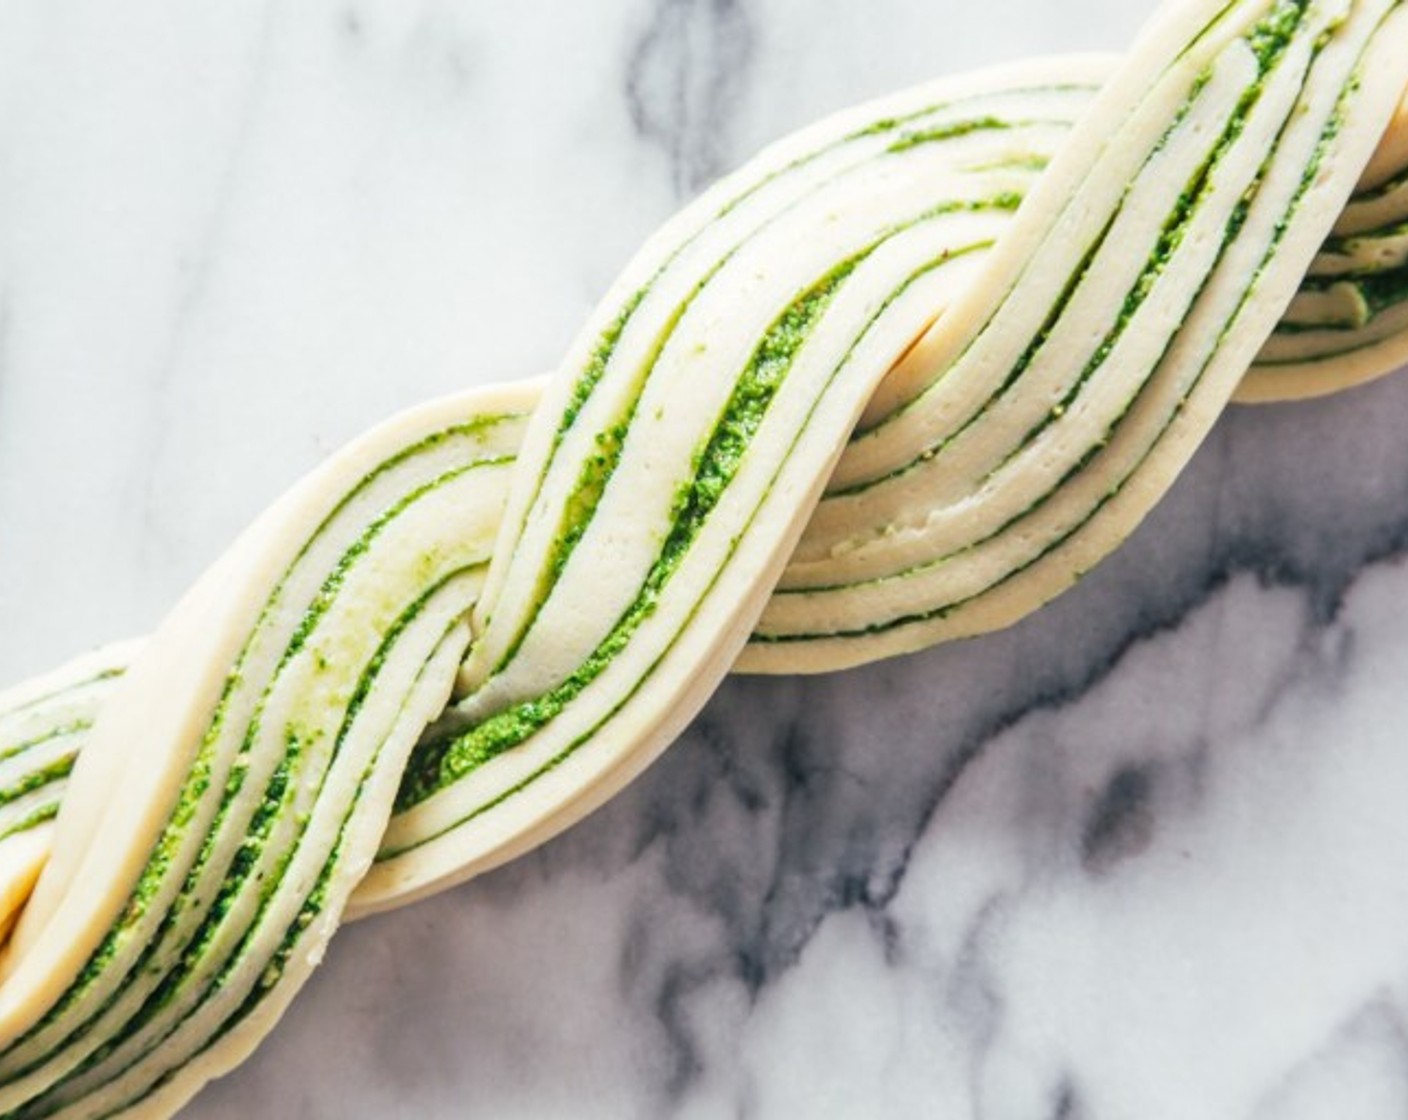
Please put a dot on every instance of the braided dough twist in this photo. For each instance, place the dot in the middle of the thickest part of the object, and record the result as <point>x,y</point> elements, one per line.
<point>902,378</point>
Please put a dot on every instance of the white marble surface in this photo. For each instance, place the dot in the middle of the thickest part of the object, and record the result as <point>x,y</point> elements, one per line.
<point>1141,857</point>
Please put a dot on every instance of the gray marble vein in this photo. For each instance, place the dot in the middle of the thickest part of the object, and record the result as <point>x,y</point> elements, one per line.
<point>683,84</point>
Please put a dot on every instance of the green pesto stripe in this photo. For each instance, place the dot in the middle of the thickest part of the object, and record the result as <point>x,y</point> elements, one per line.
<point>1266,39</point>
<point>953,130</point>
<point>595,368</point>
<point>1033,163</point>
<point>893,124</point>
<point>230,887</point>
<point>595,472</point>
<point>211,846</point>
<point>1210,28</point>
<point>1382,288</point>
<point>609,338</point>
<point>59,731</point>
<point>600,358</point>
<point>479,425</point>
<point>55,771</point>
<point>1349,245</point>
<point>1048,325</point>
<point>1231,317</point>
<point>920,399</point>
<point>34,819</point>
<point>1018,368</point>
<point>269,977</point>
<point>332,585</point>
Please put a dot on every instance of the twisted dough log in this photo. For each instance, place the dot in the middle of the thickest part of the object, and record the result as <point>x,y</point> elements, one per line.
<point>853,401</point>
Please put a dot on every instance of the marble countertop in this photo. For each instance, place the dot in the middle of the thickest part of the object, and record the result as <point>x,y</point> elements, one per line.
<point>1141,856</point>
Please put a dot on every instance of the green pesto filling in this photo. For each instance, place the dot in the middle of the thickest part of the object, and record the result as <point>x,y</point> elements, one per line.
<point>893,124</point>
<point>950,131</point>
<point>595,368</point>
<point>596,471</point>
<point>690,499</point>
<point>885,125</point>
<point>1018,368</point>
<point>1271,35</point>
<point>328,593</point>
<point>55,771</point>
<point>121,934</point>
<point>318,899</point>
<point>1029,162</point>
<point>1349,245</point>
<point>597,468</point>
<point>469,431</point>
<point>438,763</point>
<point>267,810</point>
<point>273,970</point>
<point>74,727</point>
<point>32,820</point>
<point>273,803</point>
<point>1378,292</point>
<point>269,977</point>
<point>1384,290</point>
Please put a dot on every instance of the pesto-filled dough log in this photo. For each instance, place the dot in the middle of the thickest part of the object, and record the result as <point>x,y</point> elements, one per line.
<point>239,780</point>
